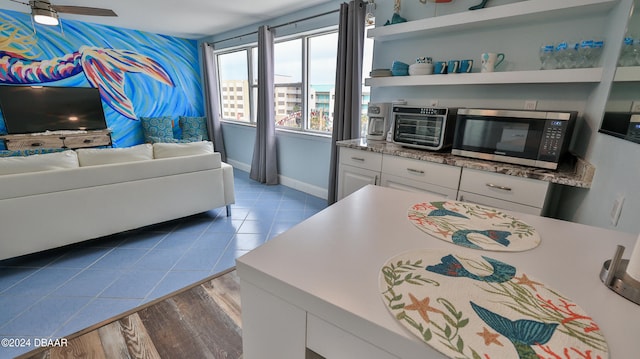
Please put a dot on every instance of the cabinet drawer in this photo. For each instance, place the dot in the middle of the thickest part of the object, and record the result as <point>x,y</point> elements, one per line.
<point>362,159</point>
<point>34,142</point>
<point>407,184</point>
<point>87,141</point>
<point>429,172</point>
<point>334,343</point>
<point>521,190</point>
<point>498,203</point>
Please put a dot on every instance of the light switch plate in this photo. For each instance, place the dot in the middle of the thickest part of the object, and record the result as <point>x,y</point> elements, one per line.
<point>530,104</point>
<point>616,209</point>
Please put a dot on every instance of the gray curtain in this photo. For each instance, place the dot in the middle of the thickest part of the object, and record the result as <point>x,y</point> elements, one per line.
<point>212,99</point>
<point>348,94</point>
<point>264,165</point>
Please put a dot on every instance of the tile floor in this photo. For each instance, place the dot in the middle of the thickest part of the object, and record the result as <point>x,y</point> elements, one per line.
<point>58,292</point>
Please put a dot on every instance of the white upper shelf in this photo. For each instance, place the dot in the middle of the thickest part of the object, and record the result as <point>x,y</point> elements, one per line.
<point>530,10</point>
<point>588,75</point>
<point>627,74</point>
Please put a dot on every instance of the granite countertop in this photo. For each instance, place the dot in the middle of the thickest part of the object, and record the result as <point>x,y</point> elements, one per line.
<point>576,173</point>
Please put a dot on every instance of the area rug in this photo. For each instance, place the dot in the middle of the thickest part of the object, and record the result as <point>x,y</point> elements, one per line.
<point>472,306</point>
<point>473,226</point>
<point>198,321</point>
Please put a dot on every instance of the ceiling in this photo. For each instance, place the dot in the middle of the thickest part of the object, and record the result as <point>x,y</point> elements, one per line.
<point>191,19</point>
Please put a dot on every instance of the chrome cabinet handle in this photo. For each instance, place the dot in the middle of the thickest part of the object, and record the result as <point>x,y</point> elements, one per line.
<point>415,171</point>
<point>358,159</point>
<point>504,188</point>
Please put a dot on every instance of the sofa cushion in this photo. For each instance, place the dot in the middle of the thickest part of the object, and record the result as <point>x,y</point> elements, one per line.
<point>166,150</point>
<point>154,139</point>
<point>193,126</point>
<point>103,156</point>
<point>156,127</point>
<point>37,163</point>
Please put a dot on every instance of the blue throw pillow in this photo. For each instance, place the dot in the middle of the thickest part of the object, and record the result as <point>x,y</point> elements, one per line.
<point>154,139</point>
<point>161,127</point>
<point>194,127</point>
<point>30,151</point>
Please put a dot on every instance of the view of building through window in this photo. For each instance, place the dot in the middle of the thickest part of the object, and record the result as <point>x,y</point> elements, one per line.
<point>234,86</point>
<point>304,90</point>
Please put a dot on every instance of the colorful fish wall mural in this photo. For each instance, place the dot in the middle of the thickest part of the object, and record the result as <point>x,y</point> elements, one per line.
<point>139,74</point>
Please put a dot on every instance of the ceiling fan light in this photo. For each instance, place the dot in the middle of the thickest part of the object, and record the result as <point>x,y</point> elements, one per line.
<point>44,16</point>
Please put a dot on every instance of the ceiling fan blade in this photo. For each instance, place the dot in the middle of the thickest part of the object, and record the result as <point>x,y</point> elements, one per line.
<point>83,10</point>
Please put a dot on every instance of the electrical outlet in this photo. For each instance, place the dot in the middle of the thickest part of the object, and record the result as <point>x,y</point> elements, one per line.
<point>433,103</point>
<point>614,216</point>
<point>530,104</point>
<point>635,106</point>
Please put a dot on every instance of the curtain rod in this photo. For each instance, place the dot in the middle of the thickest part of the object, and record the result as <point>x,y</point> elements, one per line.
<point>276,26</point>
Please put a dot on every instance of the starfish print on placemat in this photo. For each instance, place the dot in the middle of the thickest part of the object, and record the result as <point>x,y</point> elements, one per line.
<point>422,306</point>
<point>524,280</point>
<point>489,337</point>
<point>491,214</point>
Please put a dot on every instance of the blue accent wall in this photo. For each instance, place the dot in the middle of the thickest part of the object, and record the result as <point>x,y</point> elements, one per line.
<point>177,58</point>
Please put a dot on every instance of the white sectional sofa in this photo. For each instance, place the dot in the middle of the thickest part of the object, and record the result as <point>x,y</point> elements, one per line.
<point>51,200</point>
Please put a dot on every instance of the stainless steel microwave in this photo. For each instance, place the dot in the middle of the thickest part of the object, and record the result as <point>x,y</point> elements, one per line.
<point>427,128</point>
<point>531,138</point>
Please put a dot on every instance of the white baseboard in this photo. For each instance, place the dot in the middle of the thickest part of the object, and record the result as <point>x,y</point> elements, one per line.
<point>286,181</point>
<point>239,165</point>
<point>303,187</point>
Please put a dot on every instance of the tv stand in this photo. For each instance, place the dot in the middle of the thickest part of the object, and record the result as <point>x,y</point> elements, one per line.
<point>58,140</point>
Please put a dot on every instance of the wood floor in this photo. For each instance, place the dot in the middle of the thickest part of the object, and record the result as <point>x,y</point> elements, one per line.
<point>200,321</point>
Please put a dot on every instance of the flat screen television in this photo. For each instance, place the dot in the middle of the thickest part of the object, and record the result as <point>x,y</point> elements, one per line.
<point>28,109</point>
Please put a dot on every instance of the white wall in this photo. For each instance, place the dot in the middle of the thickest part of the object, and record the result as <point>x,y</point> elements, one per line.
<point>303,159</point>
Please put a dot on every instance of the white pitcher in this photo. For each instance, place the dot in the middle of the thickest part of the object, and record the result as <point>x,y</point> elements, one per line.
<point>491,60</point>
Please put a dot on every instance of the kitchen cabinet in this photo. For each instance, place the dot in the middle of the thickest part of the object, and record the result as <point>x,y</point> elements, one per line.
<point>420,176</point>
<point>359,168</point>
<point>501,185</point>
<point>503,191</point>
<point>356,170</point>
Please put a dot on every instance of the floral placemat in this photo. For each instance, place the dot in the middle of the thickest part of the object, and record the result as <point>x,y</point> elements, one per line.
<point>477,307</point>
<point>473,226</point>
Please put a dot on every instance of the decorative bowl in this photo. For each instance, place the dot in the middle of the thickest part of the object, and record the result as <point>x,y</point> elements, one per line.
<point>420,69</point>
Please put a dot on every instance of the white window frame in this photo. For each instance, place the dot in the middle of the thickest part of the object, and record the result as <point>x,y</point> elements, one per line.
<point>305,36</point>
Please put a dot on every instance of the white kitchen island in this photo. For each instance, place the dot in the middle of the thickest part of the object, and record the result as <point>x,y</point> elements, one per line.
<point>316,285</point>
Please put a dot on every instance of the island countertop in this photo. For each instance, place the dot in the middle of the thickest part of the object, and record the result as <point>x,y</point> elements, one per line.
<point>576,173</point>
<point>328,266</point>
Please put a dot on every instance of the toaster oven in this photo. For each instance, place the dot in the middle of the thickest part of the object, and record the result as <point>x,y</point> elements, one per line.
<point>427,128</point>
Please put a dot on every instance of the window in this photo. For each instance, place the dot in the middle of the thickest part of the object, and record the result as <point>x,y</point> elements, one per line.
<point>304,81</point>
<point>323,51</point>
<point>234,80</point>
<point>288,81</point>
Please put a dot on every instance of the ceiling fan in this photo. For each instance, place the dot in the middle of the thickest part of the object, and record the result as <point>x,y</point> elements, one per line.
<point>45,13</point>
